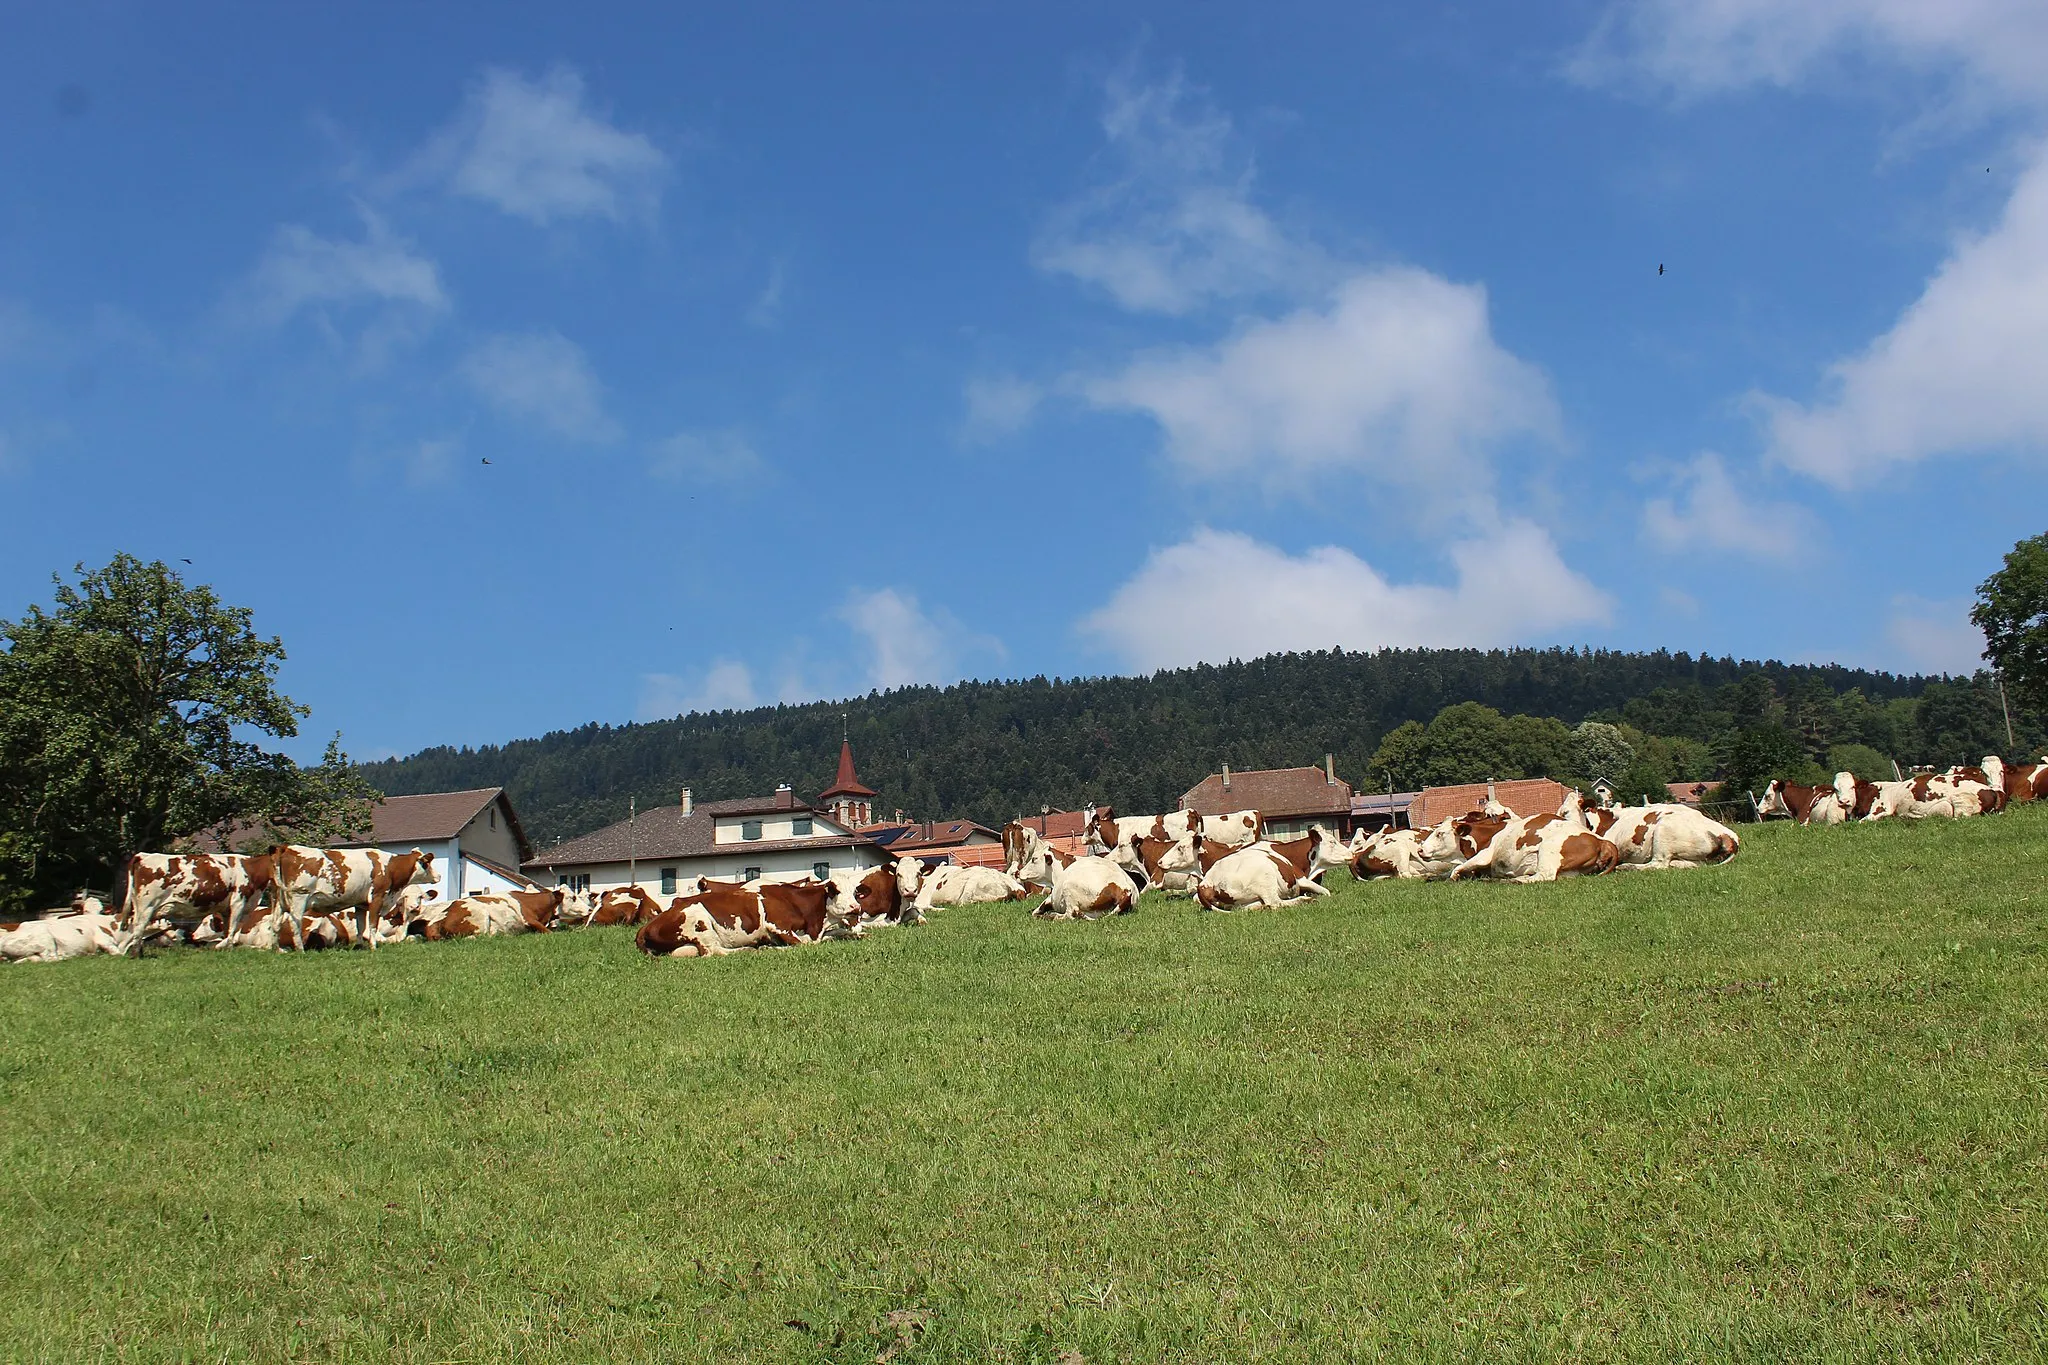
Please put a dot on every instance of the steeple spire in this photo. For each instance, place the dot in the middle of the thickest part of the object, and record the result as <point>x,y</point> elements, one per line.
<point>850,803</point>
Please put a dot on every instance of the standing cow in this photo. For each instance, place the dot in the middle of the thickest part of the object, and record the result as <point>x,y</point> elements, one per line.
<point>311,880</point>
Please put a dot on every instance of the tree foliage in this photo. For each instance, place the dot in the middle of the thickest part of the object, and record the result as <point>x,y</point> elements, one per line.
<point>125,716</point>
<point>2012,611</point>
<point>992,750</point>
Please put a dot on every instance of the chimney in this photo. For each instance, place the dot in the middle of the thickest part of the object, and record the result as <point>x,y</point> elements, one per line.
<point>1226,777</point>
<point>689,804</point>
<point>784,797</point>
<point>1330,769</point>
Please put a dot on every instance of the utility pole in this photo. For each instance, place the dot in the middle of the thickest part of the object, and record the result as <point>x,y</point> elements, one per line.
<point>632,841</point>
<point>2010,747</point>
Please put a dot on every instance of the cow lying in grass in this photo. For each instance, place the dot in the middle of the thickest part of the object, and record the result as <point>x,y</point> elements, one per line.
<point>64,935</point>
<point>1272,874</point>
<point>1540,848</point>
<point>716,922</point>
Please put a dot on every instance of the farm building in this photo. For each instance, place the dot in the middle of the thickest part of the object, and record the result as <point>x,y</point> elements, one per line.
<point>475,837</point>
<point>1289,800</point>
<point>1523,796</point>
<point>1381,810</point>
<point>1065,830</point>
<point>769,838</point>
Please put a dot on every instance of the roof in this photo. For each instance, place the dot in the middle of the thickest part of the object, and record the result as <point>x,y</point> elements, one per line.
<point>935,834</point>
<point>1379,803</point>
<point>1687,793</point>
<point>665,832</point>
<point>845,784</point>
<point>1523,796</point>
<point>1276,793</point>
<point>437,815</point>
<point>510,874</point>
<point>1059,824</point>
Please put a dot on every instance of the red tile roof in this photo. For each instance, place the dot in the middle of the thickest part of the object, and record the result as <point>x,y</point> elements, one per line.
<point>1275,793</point>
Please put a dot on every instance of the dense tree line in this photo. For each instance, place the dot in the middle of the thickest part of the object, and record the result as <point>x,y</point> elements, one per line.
<point>993,750</point>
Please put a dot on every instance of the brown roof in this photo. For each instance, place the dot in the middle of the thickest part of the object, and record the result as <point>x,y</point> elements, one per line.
<point>1688,793</point>
<point>665,832</point>
<point>845,784</point>
<point>437,815</point>
<point>1275,793</point>
<point>1059,824</point>
<point>1523,796</point>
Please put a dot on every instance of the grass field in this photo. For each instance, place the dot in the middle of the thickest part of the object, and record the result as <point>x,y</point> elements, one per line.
<point>1791,1108</point>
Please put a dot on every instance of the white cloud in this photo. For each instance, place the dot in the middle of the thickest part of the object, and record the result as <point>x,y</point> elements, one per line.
<point>765,312</point>
<point>1698,46</point>
<point>1935,636</point>
<point>998,406</point>
<point>1714,515</point>
<point>719,457</point>
<point>906,644</point>
<point>1173,227</point>
<point>534,150</point>
<point>303,270</point>
<point>727,685</point>
<point>1221,595</point>
<point>540,377</point>
<point>1959,373</point>
<point>1398,376</point>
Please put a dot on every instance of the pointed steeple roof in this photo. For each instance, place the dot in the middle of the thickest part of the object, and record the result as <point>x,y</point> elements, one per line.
<point>846,784</point>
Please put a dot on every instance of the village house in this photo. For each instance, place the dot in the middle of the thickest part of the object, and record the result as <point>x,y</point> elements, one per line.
<point>1288,800</point>
<point>774,838</point>
<point>960,842</point>
<point>475,837</point>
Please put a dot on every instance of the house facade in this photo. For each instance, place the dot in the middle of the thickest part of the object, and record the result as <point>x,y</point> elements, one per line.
<point>475,837</point>
<point>1288,800</point>
<point>773,838</point>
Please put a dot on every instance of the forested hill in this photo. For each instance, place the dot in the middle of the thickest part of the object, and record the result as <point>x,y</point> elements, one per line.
<point>991,750</point>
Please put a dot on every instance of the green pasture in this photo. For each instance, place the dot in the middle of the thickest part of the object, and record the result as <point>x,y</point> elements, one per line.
<point>1792,1108</point>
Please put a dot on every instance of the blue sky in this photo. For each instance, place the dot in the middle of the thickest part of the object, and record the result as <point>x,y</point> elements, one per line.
<point>815,349</point>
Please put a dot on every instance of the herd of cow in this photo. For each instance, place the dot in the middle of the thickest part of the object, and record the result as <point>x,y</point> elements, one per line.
<point>295,898</point>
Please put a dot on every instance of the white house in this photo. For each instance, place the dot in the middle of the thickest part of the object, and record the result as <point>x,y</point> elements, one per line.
<point>755,838</point>
<point>474,836</point>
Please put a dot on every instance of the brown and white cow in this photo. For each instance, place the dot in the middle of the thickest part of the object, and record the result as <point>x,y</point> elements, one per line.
<point>1540,848</point>
<point>191,886</point>
<point>716,922</point>
<point>62,937</point>
<point>1448,845</point>
<point>1268,874</point>
<point>876,896</point>
<point>1669,835</point>
<point>1807,805</point>
<point>498,912</point>
<point>1171,864</point>
<point>318,880</point>
<point>1107,831</point>
<point>1084,888</point>
<point>949,885</point>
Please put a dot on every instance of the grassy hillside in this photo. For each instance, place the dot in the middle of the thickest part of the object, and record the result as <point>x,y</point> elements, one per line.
<point>1786,1109</point>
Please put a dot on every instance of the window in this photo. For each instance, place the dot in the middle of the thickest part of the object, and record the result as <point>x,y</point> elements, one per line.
<point>575,881</point>
<point>750,874</point>
<point>750,829</point>
<point>494,817</point>
<point>668,881</point>
<point>800,827</point>
<point>822,871</point>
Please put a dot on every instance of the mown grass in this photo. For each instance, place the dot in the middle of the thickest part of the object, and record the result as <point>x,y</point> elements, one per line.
<point>1787,1109</point>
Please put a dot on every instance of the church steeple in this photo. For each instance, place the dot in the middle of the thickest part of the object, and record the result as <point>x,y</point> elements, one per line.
<point>848,802</point>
